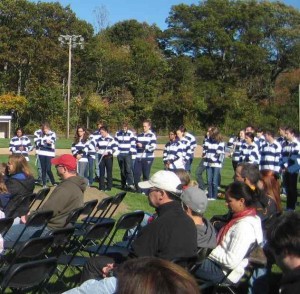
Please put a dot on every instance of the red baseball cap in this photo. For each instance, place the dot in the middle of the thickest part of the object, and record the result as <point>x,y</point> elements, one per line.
<point>66,160</point>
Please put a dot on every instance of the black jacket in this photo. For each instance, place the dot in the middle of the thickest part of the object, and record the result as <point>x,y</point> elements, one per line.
<point>290,283</point>
<point>171,235</point>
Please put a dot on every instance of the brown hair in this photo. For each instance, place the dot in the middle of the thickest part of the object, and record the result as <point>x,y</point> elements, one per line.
<point>20,164</point>
<point>85,136</point>
<point>149,275</point>
<point>184,176</point>
<point>271,186</point>
<point>214,134</point>
<point>3,188</point>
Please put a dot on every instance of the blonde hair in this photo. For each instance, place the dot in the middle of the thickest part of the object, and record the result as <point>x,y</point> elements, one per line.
<point>3,188</point>
<point>20,164</point>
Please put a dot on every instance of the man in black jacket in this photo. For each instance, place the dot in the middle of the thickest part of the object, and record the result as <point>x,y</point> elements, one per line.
<point>171,235</point>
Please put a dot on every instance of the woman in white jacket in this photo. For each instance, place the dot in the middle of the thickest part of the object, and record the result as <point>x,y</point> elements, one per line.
<point>235,238</point>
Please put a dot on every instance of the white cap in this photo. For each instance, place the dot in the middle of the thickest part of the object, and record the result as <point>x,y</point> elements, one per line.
<point>164,180</point>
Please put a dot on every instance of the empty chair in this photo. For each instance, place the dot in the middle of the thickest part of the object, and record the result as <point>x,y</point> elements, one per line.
<point>29,275</point>
<point>126,222</point>
<point>40,195</point>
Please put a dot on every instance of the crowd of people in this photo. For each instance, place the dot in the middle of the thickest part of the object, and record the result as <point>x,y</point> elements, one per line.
<point>179,229</point>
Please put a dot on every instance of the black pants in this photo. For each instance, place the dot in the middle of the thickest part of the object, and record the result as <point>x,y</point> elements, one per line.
<point>142,166</point>
<point>106,163</point>
<point>291,189</point>
<point>46,169</point>
<point>125,163</point>
<point>199,172</point>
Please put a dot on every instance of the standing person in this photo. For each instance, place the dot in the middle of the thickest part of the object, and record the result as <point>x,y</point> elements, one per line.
<point>290,165</point>
<point>261,140</point>
<point>186,148</point>
<point>214,157</point>
<point>283,142</point>
<point>46,145</point>
<point>127,147</point>
<point>270,153</point>
<point>106,146</point>
<point>201,167</point>
<point>249,151</point>
<point>80,151</point>
<point>192,145</point>
<point>173,153</point>
<point>237,149</point>
<point>145,146</point>
<point>20,144</point>
<point>37,134</point>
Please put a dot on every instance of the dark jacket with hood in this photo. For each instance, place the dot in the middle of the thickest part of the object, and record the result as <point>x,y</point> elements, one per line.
<point>67,196</point>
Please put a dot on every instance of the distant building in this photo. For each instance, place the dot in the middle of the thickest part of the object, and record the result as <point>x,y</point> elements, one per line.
<point>5,126</point>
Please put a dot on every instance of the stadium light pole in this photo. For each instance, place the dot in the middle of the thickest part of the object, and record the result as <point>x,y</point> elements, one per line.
<point>72,41</point>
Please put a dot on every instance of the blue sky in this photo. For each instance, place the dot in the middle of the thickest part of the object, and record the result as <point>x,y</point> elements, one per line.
<point>150,11</point>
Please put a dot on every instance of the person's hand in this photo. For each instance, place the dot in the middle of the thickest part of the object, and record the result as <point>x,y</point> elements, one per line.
<point>107,269</point>
<point>21,148</point>
<point>78,156</point>
<point>139,145</point>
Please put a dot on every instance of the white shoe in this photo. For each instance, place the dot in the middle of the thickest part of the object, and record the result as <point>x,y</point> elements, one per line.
<point>211,199</point>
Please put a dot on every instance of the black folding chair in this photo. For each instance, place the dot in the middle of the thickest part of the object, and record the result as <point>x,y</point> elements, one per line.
<point>73,216</point>
<point>113,205</point>
<point>5,224</point>
<point>88,208</point>
<point>38,219</point>
<point>18,205</point>
<point>128,221</point>
<point>40,195</point>
<point>95,233</point>
<point>28,276</point>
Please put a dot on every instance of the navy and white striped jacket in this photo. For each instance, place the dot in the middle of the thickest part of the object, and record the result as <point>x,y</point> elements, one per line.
<point>126,142</point>
<point>81,148</point>
<point>237,150</point>
<point>102,145</point>
<point>290,158</point>
<point>16,142</point>
<point>270,156</point>
<point>214,153</point>
<point>46,144</point>
<point>148,140</point>
<point>192,141</point>
<point>250,153</point>
<point>37,134</point>
<point>186,149</point>
<point>173,154</point>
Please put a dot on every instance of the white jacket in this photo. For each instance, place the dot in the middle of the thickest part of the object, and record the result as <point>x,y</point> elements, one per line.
<point>231,252</point>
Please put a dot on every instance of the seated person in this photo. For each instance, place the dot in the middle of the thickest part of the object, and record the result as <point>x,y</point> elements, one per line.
<point>284,241</point>
<point>235,239</point>
<point>194,202</point>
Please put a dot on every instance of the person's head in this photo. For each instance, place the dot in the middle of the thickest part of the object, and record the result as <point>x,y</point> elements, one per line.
<point>172,135</point>
<point>45,127</point>
<point>271,186</point>
<point>208,131</point>
<point>147,125</point>
<point>242,134</point>
<point>81,134</point>
<point>239,196</point>
<point>125,126</point>
<point>184,177</point>
<point>284,240</point>
<point>19,132</point>
<point>65,165</point>
<point>247,173</point>
<point>250,129</point>
<point>179,133</point>
<point>259,132</point>
<point>269,135</point>
<point>290,134</point>
<point>149,275</point>
<point>18,164</point>
<point>103,131</point>
<point>249,138</point>
<point>194,201</point>
<point>214,134</point>
<point>281,131</point>
<point>162,188</point>
<point>100,123</point>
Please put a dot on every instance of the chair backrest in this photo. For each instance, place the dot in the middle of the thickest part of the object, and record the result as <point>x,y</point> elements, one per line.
<point>73,216</point>
<point>127,222</point>
<point>99,231</point>
<point>116,201</point>
<point>40,195</point>
<point>89,206</point>
<point>39,218</point>
<point>5,224</point>
<point>103,206</point>
<point>29,274</point>
<point>18,205</point>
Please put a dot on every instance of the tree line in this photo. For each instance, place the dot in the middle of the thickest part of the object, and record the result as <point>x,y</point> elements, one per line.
<point>220,62</point>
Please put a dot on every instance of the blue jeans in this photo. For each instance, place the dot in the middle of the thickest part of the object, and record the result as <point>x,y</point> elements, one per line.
<point>82,168</point>
<point>30,232</point>
<point>199,172</point>
<point>210,272</point>
<point>188,165</point>
<point>142,166</point>
<point>91,170</point>
<point>46,169</point>
<point>125,164</point>
<point>213,176</point>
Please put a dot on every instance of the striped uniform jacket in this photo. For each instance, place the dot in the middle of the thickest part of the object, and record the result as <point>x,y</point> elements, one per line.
<point>237,150</point>
<point>82,148</point>
<point>37,134</point>
<point>270,156</point>
<point>126,142</point>
<point>186,149</point>
<point>103,145</point>
<point>148,140</point>
<point>261,142</point>
<point>250,153</point>
<point>94,136</point>
<point>192,141</point>
<point>214,153</point>
<point>45,148</point>
<point>290,158</point>
<point>173,154</point>
<point>282,141</point>
<point>17,142</point>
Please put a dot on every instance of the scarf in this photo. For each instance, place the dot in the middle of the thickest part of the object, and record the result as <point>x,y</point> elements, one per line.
<point>236,217</point>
